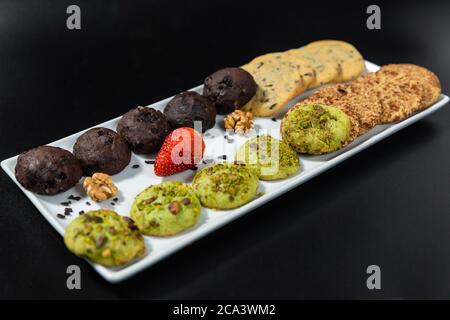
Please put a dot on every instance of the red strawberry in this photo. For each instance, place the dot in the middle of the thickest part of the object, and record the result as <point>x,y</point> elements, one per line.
<point>182,149</point>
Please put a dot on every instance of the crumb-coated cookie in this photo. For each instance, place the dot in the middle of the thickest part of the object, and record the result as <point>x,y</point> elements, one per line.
<point>144,129</point>
<point>226,185</point>
<point>273,158</point>
<point>47,170</point>
<point>426,78</point>
<point>278,81</point>
<point>398,97</point>
<point>315,128</point>
<point>229,89</point>
<point>102,150</point>
<point>189,107</point>
<point>166,209</point>
<point>349,61</point>
<point>104,237</point>
<point>402,89</point>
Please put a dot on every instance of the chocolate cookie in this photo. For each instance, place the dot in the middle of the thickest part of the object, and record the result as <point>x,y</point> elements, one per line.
<point>189,106</point>
<point>144,129</point>
<point>229,89</point>
<point>47,170</point>
<point>102,150</point>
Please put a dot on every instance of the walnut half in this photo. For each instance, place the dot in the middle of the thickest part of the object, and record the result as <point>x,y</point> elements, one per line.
<point>240,121</point>
<point>100,187</point>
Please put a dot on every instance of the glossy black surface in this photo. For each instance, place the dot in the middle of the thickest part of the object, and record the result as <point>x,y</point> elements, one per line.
<point>389,205</point>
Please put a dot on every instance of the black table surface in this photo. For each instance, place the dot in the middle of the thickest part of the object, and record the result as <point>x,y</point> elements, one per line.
<point>389,205</point>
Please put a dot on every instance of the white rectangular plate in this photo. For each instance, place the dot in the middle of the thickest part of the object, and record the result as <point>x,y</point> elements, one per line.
<point>131,181</point>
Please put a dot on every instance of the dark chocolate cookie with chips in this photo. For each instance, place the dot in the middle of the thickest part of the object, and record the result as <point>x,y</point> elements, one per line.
<point>144,129</point>
<point>102,150</point>
<point>47,170</point>
<point>229,89</point>
<point>187,108</point>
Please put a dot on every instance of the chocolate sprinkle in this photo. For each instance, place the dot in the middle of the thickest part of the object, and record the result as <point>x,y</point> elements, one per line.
<point>61,216</point>
<point>274,119</point>
<point>88,203</point>
<point>66,203</point>
<point>81,212</point>
<point>135,166</point>
<point>150,161</point>
<point>72,197</point>
<point>116,199</point>
<point>224,157</point>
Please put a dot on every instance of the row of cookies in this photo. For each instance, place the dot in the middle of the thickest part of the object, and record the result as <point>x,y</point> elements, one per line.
<point>335,115</point>
<point>161,210</point>
<point>171,207</point>
<point>281,76</point>
<point>50,170</point>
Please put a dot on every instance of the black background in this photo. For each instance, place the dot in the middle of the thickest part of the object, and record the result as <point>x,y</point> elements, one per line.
<point>389,205</point>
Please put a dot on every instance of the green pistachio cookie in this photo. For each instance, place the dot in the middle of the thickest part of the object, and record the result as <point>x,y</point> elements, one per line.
<point>166,209</point>
<point>226,185</point>
<point>273,158</point>
<point>104,237</point>
<point>315,128</point>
